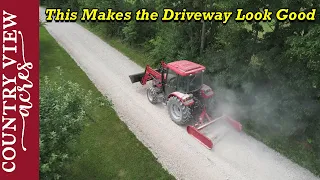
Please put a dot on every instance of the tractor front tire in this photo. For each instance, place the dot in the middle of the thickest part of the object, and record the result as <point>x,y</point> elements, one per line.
<point>152,95</point>
<point>179,113</point>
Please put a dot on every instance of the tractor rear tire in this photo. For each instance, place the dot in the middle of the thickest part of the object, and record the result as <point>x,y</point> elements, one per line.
<point>152,95</point>
<point>179,113</point>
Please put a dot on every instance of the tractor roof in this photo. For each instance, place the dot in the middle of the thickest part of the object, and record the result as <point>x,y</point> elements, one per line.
<point>185,68</point>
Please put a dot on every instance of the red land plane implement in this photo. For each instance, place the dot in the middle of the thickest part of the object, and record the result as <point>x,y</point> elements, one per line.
<point>179,85</point>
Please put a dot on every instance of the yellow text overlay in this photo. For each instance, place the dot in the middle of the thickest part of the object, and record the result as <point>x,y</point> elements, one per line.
<point>178,16</point>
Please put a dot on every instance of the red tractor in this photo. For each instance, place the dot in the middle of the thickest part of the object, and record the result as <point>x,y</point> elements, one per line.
<point>180,86</point>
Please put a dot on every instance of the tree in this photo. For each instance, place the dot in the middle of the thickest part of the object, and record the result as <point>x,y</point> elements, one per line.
<point>62,115</point>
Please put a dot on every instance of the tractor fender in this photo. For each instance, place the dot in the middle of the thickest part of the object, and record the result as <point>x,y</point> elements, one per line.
<point>186,99</point>
<point>206,91</point>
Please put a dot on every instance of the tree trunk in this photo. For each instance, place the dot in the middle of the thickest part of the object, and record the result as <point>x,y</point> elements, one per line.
<point>202,37</point>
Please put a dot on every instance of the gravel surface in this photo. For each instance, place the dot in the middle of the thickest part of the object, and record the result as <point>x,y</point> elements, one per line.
<point>236,157</point>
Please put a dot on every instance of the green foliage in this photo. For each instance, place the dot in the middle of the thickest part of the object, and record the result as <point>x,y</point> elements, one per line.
<point>133,29</point>
<point>62,113</point>
<point>130,32</point>
<point>159,44</point>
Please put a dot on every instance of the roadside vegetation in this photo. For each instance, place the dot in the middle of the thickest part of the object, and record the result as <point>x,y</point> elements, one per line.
<point>81,135</point>
<point>269,73</point>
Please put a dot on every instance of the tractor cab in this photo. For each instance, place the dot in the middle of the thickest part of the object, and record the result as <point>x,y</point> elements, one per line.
<point>183,76</point>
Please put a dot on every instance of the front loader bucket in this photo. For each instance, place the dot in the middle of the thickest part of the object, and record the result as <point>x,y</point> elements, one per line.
<point>200,137</point>
<point>136,77</point>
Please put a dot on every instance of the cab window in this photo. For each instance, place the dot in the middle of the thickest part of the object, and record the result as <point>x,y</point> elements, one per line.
<point>172,78</point>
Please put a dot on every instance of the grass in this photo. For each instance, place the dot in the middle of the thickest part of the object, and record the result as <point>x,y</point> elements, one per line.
<point>108,149</point>
<point>267,27</point>
<point>295,151</point>
<point>139,56</point>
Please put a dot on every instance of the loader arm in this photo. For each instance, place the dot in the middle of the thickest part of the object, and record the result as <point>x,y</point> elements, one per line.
<point>150,74</point>
<point>146,76</point>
